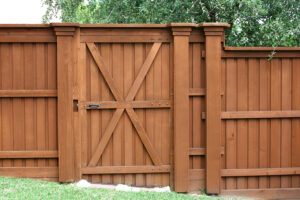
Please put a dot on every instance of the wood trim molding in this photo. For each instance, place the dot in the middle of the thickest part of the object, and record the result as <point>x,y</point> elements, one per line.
<point>28,93</point>
<point>260,172</point>
<point>140,169</point>
<point>28,154</point>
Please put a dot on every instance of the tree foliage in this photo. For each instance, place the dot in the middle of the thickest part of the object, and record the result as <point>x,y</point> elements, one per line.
<point>254,22</point>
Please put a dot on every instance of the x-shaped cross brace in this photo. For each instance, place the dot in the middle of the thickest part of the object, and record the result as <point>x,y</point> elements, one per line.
<point>128,100</point>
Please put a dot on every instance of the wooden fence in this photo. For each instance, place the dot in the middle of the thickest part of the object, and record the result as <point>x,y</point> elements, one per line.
<point>149,105</point>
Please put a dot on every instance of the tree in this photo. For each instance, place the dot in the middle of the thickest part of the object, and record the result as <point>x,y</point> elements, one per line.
<point>254,22</point>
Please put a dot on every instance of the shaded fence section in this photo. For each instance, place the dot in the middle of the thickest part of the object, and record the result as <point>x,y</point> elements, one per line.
<point>149,105</point>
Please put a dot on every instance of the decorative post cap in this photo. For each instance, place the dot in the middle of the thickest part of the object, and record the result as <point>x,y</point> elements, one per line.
<point>182,28</point>
<point>64,29</point>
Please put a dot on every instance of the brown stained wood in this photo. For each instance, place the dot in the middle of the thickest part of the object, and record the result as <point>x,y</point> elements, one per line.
<point>106,75</point>
<point>213,108</point>
<point>197,92</point>
<point>128,127</point>
<point>275,144</point>
<point>196,179</point>
<point>260,172</point>
<point>139,55</point>
<point>260,114</point>
<point>253,126</point>
<point>65,64</point>
<point>29,172</point>
<point>140,169</point>
<point>165,94</point>
<point>117,137</point>
<point>28,154</point>
<point>132,92</point>
<point>143,136</point>
<point>28,93</point>
<point>124,39</point>
<point>143,71</point>
<point>105,138</point>
<point>264,130</point>
<point>124,104</point>
<point>27,38</point>
<point>201,151</point>
<point>149,116</point>
<point>181,107</point>
<point>242,125</point>
<point>106,114</point>
<point>277,193</point>
<point>286,140</point>
<point>201,92</point>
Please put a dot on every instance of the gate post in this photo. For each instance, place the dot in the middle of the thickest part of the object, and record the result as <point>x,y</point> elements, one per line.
<point>66,62</point>
<point>214,33</point>
<point>181,33</point>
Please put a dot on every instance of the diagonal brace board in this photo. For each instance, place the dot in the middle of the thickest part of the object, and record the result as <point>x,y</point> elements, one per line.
<point>106,136</point>
<point>143,136</point>
<point>106,75</point>
<point>131,94</point>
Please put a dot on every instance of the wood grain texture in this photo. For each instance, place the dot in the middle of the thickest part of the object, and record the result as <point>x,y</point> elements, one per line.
<point>181,105</point>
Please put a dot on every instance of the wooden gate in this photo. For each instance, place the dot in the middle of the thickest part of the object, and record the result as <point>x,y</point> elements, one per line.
<point>125,113</point>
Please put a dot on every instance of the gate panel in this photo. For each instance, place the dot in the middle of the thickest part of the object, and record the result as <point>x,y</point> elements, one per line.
<point>127,109</point>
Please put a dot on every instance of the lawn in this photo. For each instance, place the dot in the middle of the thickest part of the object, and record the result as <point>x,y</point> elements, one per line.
<point>16,188</point>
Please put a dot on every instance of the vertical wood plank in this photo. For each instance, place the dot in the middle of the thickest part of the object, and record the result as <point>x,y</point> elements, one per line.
<point>196,104</point>
<point>191,110</point>
<point>76,94</point>
<point>149,114</point>
<point>6,81</point>
<point>118,76</point>
<point>139,57</point>
<point>165,140</point>
<point>264,124</point>
<point>82,73</point>
<point>29,102</point>
<point>253,128</point>
<point>106,114</point>
<point>52,102</point>
<point>223,127</point>
<point>95,81</point>
<point>231,105</point>
<point>157,136</point>
<point>286,134</point>
<point>18,103</point>
<point>242,125</point>
<point>41,102</point>
<point>275,123</point>
<point>181,106</point>
<point>128,129</point>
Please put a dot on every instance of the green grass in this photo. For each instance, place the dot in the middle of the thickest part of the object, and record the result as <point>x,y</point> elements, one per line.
<point>16,188</point>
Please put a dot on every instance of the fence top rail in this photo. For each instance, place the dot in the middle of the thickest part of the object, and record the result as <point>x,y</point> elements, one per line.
<point>115,25</point>
<point>262,49</point>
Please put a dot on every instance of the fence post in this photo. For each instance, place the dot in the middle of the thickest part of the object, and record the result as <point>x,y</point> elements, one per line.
<point>66,61</point>
<point>181,33</point>
<point>213,47</point>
